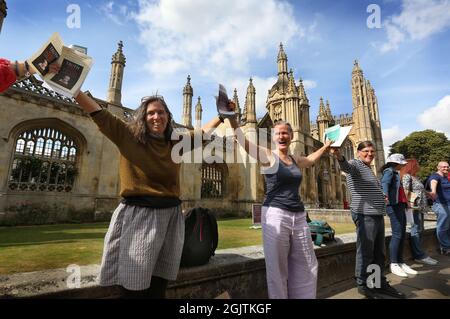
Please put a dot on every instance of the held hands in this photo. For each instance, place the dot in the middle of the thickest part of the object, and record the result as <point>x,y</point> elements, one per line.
<point>432,195</point>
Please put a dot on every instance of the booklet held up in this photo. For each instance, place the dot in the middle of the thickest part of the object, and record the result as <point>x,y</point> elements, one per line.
<point>74,66</point>
<point>337,134</point>
<point>222,103</point>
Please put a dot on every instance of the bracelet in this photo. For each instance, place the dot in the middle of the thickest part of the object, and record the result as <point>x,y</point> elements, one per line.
<point>27,69</point>
<point>221,119</point>
<point>16,69</point>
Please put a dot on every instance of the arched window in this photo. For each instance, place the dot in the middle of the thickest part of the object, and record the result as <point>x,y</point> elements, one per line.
<point>44,160</point>
<point>213,180</point>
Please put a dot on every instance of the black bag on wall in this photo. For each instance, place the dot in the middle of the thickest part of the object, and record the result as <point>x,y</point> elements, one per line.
<point>200,238</point>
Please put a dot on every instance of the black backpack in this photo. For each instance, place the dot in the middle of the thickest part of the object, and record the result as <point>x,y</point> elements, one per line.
<point>427,184</point>
<point>200,238</point>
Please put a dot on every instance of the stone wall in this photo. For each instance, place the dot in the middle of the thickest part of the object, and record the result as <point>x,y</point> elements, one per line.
<point>95,187</point>
<point>240,272</point>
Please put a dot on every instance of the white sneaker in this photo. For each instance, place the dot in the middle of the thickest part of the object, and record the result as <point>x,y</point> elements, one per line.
<point>427,261</point>
<point>408,269</point>
<point>396,269</point>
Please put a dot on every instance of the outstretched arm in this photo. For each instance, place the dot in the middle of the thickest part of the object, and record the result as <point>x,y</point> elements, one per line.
<point>343,164</point>
<point>261,154</point>
<point>309,160</point>
<point>211,125</point>
<point>88,104</point>
<point>11,71</point>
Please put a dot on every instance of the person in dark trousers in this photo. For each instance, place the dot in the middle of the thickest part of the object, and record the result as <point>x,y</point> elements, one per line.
<point>367,207</point>
<point>396,210</point>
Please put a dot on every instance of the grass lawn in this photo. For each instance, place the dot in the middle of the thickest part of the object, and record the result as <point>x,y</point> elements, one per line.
<point>32,248</point>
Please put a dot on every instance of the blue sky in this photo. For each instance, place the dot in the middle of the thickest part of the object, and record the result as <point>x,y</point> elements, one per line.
<point>229,41</point>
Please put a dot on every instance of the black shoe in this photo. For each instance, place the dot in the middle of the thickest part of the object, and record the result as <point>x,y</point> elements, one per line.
<point>369,293</point>
<point>388,290</point>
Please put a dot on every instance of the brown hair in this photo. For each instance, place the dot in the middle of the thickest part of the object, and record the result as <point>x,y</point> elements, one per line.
<point>138,125</point>
<point>364,145</point>
<point>411,168</point>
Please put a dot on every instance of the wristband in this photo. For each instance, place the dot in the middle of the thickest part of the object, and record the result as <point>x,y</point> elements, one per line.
<point>221,118</point>
<point>27,69</point>
<point>16,69</point>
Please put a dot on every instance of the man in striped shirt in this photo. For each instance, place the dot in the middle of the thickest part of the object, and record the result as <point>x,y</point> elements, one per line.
<point>368,205</point>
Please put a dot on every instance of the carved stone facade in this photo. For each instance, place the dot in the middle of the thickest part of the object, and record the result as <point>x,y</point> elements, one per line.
<point>77,167</point>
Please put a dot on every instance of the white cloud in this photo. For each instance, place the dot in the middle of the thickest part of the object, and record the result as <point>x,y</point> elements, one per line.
<point>309,84</point>
<point>418,20</point>
<point>390,136</point>
<point>218,37</point>
<point>395,37</point>
<point>437,117</point>
<point>118,14</point>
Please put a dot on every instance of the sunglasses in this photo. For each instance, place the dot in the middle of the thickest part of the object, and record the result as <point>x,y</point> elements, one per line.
<point>150,97</point>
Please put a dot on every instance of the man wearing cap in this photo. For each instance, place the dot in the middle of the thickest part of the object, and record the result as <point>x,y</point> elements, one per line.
<point>396,210</point>
<point>440,193</point>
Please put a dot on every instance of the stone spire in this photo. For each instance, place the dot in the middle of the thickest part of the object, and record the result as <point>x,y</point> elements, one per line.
<point>116,77</point>
<point>322,120</point>
<point>302,92</point>
<point>292,88</point>
<point>3,13</point>
<point>188,93</point>
<point>238,107</point>
<point>282,61</point>
<point>328,111</point>
<point>250,103</point>
<point>322,112</point>
<point>366,123</point>
<point>356,68</point>
<point>198,114</point>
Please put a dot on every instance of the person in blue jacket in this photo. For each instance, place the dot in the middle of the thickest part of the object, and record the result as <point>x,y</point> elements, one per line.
<point>396,210</point>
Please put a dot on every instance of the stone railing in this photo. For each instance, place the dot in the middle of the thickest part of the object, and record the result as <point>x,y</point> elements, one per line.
<point>239,272</point>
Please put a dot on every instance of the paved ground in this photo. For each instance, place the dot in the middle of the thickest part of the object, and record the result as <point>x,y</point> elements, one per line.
<point>432,282</point>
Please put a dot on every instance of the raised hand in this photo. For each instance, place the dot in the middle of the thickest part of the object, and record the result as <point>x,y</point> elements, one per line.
<point>336,153</point>
<point>328,143</point>
<point>54,67</point>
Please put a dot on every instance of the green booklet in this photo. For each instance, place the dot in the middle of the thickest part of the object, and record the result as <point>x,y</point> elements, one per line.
<point>337,134</point>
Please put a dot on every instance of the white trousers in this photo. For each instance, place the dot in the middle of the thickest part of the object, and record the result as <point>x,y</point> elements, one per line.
<point>291,264</point>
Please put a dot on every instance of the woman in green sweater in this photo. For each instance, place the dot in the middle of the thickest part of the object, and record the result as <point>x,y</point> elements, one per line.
<point>145,238</point>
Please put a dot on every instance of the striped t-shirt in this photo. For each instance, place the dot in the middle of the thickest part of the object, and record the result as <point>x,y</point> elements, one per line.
<point>365,188</point>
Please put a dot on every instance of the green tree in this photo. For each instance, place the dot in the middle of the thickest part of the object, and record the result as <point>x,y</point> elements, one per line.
<point>427,147</point>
